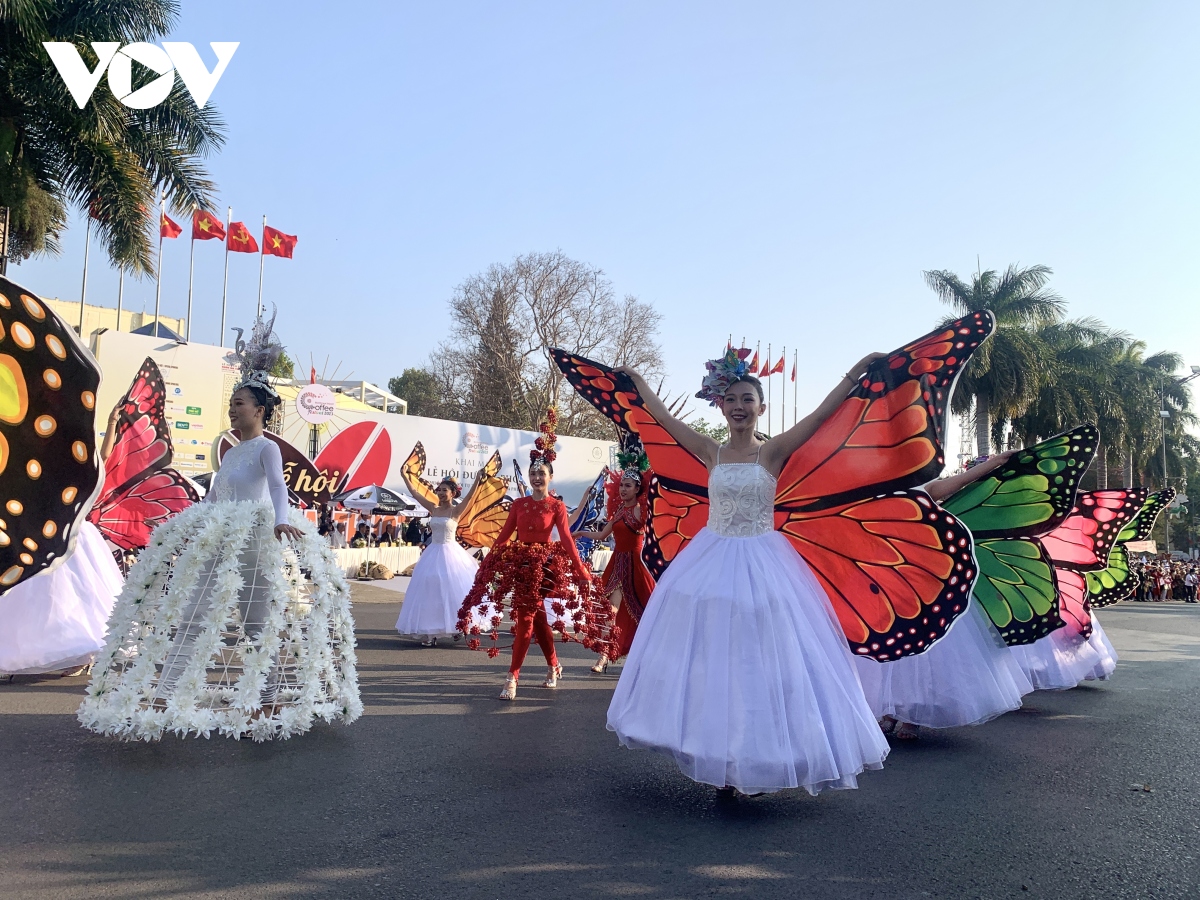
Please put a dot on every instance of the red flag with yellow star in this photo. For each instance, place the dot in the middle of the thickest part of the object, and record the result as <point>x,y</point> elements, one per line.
<point>276,243</point>
<point>167,228</point>
<point>206,226</point>
<point>240,239</point>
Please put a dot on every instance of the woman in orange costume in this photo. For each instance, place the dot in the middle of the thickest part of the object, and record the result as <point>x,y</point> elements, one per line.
<point>522,573</point>
<point>626,579</point>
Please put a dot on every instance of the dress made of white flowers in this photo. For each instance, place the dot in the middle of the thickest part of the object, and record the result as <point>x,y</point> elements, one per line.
<point>441,580</point>
<point>219,629</point>
<point>739,670</point>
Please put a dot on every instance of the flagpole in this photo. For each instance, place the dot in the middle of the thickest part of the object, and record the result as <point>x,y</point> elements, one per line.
<point>769,410</point>
<point>158,278</point>
<point>225,286</point>
<point>187,331</point>
<point>120,293</point>
<point>262,255</point>
<point>795,384</point>
<point>783,395</point>
<point>87,246</point>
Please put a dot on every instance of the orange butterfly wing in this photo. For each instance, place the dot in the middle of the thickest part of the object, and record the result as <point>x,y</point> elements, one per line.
<point>897,568</point>
<point>414,468</point>
<point>480,521</point>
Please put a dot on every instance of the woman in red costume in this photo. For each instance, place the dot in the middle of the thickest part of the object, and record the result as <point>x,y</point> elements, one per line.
<point>626,581</point>
<point>522,573</point>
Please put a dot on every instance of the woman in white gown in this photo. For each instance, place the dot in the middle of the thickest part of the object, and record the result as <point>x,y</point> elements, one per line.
<point>967,678</point>
<point>1061,660</point>
<point>55,622</point>
<point>740,671</point>
<point>443,575</point>
<point>217,628</point>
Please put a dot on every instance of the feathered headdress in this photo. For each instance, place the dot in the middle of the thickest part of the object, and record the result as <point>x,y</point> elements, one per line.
<point>632,463</point>
<point>722,373</point>
<point>544,445</point>
<point>258,355</point>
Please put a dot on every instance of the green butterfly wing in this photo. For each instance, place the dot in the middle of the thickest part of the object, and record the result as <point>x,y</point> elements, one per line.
<point>1111,585</point>
<point>1031,493</point>
<point>1017,588</point>
<point>1117,583</point>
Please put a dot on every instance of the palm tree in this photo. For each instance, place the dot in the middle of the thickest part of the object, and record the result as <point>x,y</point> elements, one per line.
<point>105,158</point>
<point>1077,386</point>
<point>1004,374</point>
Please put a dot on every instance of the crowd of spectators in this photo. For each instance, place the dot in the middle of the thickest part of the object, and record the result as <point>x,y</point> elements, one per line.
<point>1162,579</point>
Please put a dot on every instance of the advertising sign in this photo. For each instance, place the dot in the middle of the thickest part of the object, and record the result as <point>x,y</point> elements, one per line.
<point>316,404</point>
<point>198,379</point>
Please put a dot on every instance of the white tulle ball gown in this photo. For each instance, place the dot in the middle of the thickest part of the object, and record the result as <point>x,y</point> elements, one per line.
<point>740,671</point>
<point>441,580</point>
<point>223,628</point>
<point>966,678</point>
<point>1062,659</point>
<point>57,620</point>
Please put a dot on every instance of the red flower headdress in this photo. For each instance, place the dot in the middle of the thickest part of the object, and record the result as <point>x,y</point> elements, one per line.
<point>544,445</point>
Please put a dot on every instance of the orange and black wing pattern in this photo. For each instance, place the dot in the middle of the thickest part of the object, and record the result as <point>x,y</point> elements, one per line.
<point>897,569</point>
<point>480,521</point>
<point>887,434</point>
<point>679,487</point>
<point>414,468</point>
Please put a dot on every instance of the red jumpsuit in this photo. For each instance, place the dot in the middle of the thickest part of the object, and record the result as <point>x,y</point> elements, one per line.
<point>625,570</point>
<point>524,572</point>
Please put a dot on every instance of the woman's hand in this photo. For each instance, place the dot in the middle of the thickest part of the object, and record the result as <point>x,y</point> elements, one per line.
<point>626,370</point>
<point>289,530</point>
<point>115,415</point>
<point>863,364</point>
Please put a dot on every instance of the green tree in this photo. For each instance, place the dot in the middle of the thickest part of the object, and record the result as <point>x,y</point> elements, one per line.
<point>1003,376</point>
<point>284,367</point>
<point>104,158</point>
<point>420,389</point>
<point>719,433</point>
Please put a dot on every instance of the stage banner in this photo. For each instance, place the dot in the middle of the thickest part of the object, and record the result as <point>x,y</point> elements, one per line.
<point>360,448</point>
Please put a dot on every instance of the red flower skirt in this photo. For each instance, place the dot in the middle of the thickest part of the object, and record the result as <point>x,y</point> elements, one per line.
<point>519,577</point>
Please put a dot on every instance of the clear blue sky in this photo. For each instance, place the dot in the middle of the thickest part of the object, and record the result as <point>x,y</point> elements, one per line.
<point>783,171</point>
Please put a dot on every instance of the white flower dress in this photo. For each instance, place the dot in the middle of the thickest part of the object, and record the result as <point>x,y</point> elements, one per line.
<point>219,629</point>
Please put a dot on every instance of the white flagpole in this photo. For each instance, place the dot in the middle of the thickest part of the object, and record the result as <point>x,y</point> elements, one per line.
<point>225,287</point>
<point>783,394</point>
<point>87,246</point>
<point>769,409</point>
<point>262,255</point>
<point>187,330</point>
<point>158,287</point>
<point>120,293</point>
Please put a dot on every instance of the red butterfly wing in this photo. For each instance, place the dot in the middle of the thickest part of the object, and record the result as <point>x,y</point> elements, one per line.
<point>897,568</point>
<point>1083,541</point>
<point>676,515</point>
<point>679,490</point>
<point>140,491</point>
<point>128,518</point>
<point>1073,604</point>
<point>887,434</point>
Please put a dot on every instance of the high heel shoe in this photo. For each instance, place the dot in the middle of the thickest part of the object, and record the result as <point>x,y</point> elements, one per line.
<point>602,666</point>
<point>510,689</point>
<point>552,679</point>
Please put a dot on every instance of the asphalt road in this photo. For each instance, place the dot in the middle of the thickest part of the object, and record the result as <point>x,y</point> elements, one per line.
<point>442,791</point>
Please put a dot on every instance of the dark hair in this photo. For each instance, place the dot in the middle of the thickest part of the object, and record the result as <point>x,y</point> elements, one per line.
<point>261,399</point>
<point>753,382</point>
<point>544,463</point>
<point>454,486</point>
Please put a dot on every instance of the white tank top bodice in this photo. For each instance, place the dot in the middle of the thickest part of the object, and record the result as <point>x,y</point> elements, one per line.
<point>741,500</point>
<point>444,529</point>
